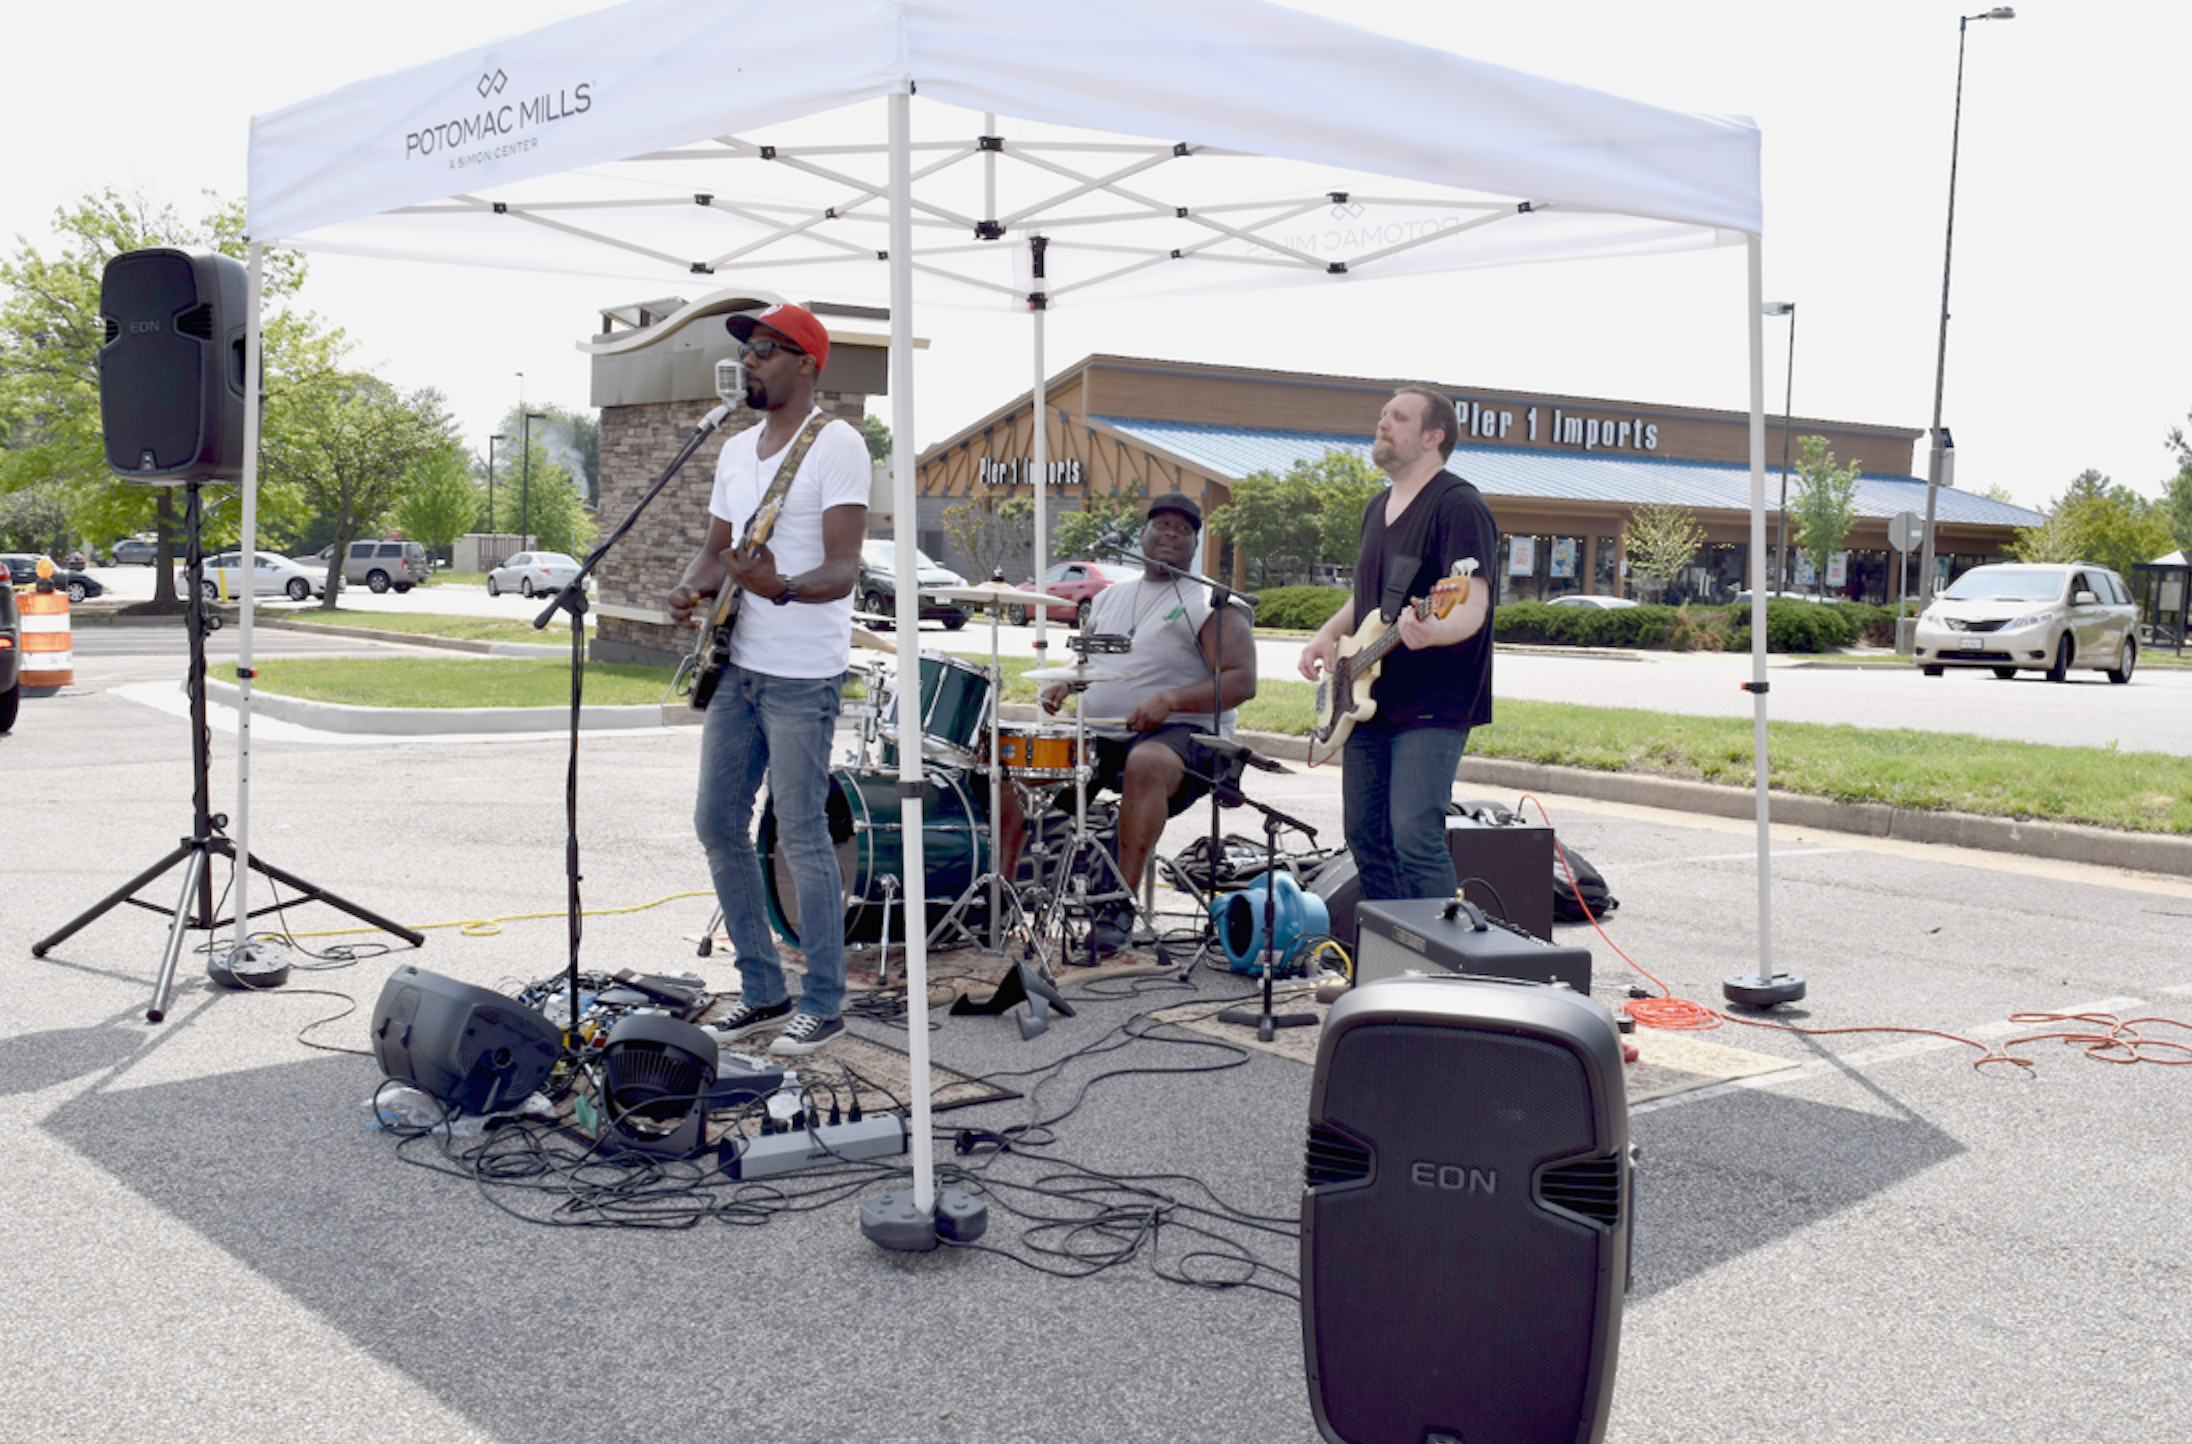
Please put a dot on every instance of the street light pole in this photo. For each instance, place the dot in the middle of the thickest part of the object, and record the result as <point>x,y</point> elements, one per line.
<point>498,436</point>
<point>1948,251</point>
<point>1781,554</point>
<point>525,492</point>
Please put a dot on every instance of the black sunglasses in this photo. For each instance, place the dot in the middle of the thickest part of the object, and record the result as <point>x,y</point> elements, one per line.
<point>762,348</point>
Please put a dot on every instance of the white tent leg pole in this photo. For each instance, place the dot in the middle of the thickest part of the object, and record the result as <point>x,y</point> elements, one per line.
<point>904,502</point>
<point>1042,499</point>
<point>247,559</point>
<point>1766,987</point>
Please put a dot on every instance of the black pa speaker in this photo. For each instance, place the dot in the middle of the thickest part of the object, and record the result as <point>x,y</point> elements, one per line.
<point>1465,1225</point>
<point>171,367</point>
<point>472,1048</point>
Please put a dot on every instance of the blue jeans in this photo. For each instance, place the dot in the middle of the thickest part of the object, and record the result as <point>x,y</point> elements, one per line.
<point>781,727</point>
<point>1395,784</point>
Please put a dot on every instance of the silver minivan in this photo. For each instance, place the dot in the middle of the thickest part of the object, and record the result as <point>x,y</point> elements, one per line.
<point>385,565</point>
<point>2031,616</point>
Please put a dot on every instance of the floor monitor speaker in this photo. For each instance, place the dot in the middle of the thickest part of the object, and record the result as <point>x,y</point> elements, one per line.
<point>471,1047</point>
<point>1466,1221</point>
<point>171,366</point>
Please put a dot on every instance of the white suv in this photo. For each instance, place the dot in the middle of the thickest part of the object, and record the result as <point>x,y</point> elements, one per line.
<point>2031,616</point>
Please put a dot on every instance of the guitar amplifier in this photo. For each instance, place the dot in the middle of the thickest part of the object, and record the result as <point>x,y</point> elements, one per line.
<point>1435,936</point>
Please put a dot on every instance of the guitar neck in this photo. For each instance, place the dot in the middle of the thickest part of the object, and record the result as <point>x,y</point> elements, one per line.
<point>1388,639</point>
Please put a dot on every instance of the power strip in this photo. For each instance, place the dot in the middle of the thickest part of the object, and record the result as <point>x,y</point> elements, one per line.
<point>877,1136</point>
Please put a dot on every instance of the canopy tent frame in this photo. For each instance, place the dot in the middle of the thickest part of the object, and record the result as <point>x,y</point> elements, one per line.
<point>1445,164</point>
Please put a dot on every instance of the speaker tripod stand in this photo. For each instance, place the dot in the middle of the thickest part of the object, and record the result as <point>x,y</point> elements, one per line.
<point>194,908</point>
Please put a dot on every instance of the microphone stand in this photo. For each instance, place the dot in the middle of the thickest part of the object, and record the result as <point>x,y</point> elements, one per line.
<point>1273,820</point>
<point>572,599</point>
<point>1221,596</point>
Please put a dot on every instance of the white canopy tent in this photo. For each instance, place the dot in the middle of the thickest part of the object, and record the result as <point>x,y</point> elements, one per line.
<point>1157,146</point>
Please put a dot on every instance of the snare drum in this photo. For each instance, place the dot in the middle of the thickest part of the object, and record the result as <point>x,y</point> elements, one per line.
<point>1037,751</point>
<point>866,830</point>
<point>954,709</point>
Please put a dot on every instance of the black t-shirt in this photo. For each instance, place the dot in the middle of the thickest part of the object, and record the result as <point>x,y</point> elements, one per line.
<point>1438,686</point>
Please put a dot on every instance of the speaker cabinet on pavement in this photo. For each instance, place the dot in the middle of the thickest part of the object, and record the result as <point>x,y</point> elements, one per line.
<point>1466,1219</point>
<point>1507,871</point>
<point>171,369</point>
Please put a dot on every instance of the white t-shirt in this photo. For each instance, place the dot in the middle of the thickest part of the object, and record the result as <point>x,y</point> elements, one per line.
<point>800,639</point>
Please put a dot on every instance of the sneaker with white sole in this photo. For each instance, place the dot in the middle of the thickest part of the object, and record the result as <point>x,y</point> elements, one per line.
<point>805,1033</point>
<point>746,1018</point>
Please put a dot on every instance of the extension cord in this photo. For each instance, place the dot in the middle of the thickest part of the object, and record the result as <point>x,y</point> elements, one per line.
<point>876,1136</point>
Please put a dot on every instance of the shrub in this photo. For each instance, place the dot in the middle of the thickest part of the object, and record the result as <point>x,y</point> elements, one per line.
<point>1299,609</point>
<point>1541,623</point>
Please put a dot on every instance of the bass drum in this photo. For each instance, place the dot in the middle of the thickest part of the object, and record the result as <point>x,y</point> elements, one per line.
<point>865,829</point>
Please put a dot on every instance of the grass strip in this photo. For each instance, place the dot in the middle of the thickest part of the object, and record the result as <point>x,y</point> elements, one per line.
<point>435,624</point>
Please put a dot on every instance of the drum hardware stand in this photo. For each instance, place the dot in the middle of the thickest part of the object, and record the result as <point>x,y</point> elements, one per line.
<point>1273,820</point>
<point>206,835</point>
<point>1071,894</point>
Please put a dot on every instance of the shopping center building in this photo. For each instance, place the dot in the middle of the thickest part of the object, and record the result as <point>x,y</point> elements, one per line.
<point>1562,473</point>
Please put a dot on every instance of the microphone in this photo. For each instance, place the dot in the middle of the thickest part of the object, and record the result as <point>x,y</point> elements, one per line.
<point>1117,537</point>
<point>730,388</point>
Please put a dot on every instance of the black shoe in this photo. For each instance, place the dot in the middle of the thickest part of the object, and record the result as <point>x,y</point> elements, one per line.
<point>746,1018</point>
<point>806,1033</point>
<point>1113,927</point>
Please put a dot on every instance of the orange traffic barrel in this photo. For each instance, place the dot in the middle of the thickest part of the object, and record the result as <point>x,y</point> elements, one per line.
<point>47,660</point>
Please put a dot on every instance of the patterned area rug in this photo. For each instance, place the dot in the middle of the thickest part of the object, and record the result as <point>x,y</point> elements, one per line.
<point>952,971</point>
<point>1667,1063</point>
<point>880,1075</point>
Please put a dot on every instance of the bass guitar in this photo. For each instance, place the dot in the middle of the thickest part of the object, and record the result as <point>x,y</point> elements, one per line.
<point>1343,692</point>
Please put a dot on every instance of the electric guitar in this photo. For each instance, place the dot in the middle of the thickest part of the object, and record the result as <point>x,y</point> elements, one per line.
<point>699,673</point>
<point>1343,692</point>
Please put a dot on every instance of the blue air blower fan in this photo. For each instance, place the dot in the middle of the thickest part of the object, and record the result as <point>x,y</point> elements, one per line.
<point>656,1074</point>
<point>1239,919</point>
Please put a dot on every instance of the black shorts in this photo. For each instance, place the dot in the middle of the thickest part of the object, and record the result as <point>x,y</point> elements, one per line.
<point>1110,763</point>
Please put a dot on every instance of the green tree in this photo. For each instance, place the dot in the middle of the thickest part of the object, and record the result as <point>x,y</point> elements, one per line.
<point>2096,521</point>
<point>2177,491</point>
<point>993,533</point>
<point>544,501</point>
<point>1075,533</point>
<point>572,439</point>
<point>1286,525</point>
<point>50,335</point>
<point>1824,506</point>
<point>1661,540</point>
<point>442,501</point>
<point>354,453</point>
<point>878,437</point>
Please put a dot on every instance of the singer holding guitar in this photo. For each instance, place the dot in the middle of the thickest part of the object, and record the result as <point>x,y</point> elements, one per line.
<point>773,712</point>
<point>1398,763</point>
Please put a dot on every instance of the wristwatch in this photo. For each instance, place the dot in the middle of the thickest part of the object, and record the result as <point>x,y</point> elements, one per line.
<point>789,594</point>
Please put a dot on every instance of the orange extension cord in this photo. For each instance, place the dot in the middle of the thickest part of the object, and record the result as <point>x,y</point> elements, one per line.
<point>2105,1038</point>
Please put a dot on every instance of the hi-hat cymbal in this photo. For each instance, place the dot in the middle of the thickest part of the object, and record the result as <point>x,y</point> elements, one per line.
<point>1077,673</point>
<point>991,594</point>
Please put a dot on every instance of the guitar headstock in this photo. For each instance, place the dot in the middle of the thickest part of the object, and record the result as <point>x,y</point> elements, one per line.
<point>1450,592</point>
<point>760,524</point>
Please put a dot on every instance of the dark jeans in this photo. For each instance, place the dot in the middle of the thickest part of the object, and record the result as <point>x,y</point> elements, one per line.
<point>1395,784</point>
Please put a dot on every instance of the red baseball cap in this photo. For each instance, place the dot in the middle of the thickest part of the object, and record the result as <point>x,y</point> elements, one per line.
<point>795,324</point>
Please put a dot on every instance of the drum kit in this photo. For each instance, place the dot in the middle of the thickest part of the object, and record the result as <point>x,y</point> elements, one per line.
<point>971,756</point>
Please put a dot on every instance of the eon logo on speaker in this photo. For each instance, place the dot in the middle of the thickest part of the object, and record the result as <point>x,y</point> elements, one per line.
<point>139,328</point>
<point>1453,1178</point>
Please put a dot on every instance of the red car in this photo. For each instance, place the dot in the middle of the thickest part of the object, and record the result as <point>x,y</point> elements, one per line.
<point>1076,583</point>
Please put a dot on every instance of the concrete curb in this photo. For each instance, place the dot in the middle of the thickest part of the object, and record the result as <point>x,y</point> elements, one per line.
<point>2164,853</point>
<point>436,721</point>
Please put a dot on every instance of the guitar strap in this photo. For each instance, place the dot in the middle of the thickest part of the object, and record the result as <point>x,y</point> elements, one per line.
<point>795,456</point>
<point>1404,556</point>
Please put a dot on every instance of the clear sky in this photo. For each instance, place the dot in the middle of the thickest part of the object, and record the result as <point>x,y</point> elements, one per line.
<point>2065,351</point>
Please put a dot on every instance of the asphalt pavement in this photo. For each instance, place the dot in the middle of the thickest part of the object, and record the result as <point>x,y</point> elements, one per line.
<point>1881,1243</point>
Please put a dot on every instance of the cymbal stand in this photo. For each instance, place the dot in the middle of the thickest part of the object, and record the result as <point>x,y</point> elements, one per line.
<point>1070,894</point>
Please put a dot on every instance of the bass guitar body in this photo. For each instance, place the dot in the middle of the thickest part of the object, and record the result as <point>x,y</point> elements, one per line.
<point>703,669</point>
<point>1343,692</point>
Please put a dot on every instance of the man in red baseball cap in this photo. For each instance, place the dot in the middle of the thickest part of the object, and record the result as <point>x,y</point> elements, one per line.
<point>773,711</point>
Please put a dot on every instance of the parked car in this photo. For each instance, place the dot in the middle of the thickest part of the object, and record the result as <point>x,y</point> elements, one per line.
<point>11,653</point>
<point>530,572</point>
<point>271,576</point>
<point>2031,616</point>
<point>23,567</point>
<point>878,590</point>
<point>1591,599</point>
<point>386,565</point>
<point>1076,583</point>
<point>135,552</point>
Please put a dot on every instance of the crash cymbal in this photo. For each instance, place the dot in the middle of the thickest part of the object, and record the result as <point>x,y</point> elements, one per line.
<point>1074,674</point>
<point>991,594</point>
